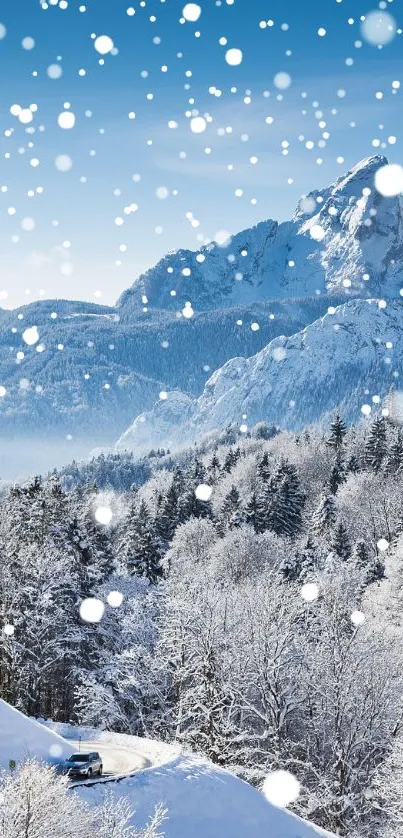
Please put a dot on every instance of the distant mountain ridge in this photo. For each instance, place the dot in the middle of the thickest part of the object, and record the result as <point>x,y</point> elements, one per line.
<point>341,361</point>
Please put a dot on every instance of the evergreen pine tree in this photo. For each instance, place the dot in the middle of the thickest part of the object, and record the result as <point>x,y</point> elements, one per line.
<point>166,520</point>
<point>360,555</point>
<point>142,554</point>
<point>338,431</point>
<point>263,467</point>
<point>230,514</point>
<point>325,515</point>
<point>309,560</point>
<point>231,459</point>
<point>340,543</point>
<point>84,559</point>
<point>253,511</point>
<point>376,449</point>
<point>291,567</point>
<point>198,472</point>
<point>337,475</point>
<point>372,565</point>
<point>214,468</point>
<point>395,458</point>
<point>286,501</point>
<point>376,570</point>
<point>353,464</point>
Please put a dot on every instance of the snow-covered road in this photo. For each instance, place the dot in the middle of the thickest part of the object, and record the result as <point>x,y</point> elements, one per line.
<point>116,758</point>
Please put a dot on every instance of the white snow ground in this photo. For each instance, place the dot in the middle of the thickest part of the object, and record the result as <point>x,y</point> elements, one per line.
<point>22,738</point>
<point>203,801</point>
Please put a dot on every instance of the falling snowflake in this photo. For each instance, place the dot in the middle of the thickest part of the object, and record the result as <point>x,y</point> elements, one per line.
<point>234,57</point>
<point>191,12</point>
<point>389,180</point>
<point>31,335</point>
<point>203,492</point>
<point>310,591</point>
<point>104,515</point>
<point>317,233</point>
<point>103,44</point>
<point>358,618</point>
<point>378,28</point>
<point>187,311</point>
<point>54,71</point>
<point>282,80</point>
<point>92,610</point>
<point>63,163</point>
<point>281,788</point>
<point>66,119</point>
<point>382,544</point>
<point>114,599</point>
<point>198,124</point>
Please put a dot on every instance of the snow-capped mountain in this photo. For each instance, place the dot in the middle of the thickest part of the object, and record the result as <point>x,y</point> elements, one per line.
<point>360,252</point>
<point>341,361</point>
<point>94,367</point>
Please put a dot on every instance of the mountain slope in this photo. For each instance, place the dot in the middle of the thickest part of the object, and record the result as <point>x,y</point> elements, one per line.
<point>339,361</point>
<point>98,370</point>
<point>22,738</point>
<point>202,800</point>
<point>362,237</point>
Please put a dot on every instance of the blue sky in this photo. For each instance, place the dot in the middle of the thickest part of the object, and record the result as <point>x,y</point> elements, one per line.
<point>71,245</point>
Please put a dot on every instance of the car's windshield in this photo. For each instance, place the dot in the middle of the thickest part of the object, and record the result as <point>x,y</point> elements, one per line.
<point>79,758</point>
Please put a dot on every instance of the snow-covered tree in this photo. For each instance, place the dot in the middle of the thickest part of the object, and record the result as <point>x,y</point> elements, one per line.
<point>377,445</point>
<point>340,542</point>
<point>338,431</point>
<point>36,803</point>
<point>325,515</point>
<point>337,474</point>
<point>286,501</point>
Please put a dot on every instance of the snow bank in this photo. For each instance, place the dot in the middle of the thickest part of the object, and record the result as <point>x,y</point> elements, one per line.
<point>22,738</point>
<point>202,801</point>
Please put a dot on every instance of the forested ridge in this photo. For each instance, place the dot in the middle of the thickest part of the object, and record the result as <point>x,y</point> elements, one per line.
<point>261,577</point>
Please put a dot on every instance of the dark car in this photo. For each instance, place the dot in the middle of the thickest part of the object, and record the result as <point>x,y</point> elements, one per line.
<point>84,765</point>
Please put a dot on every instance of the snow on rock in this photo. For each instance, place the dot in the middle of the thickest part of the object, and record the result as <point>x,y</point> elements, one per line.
<point>22,738</point>
<point>293,381</point>
<point>358,251</point>
<point>202,800</point>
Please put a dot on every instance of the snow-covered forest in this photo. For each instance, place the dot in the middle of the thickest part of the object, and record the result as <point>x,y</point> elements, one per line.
<point>243,595</point>
<point>35,803</point>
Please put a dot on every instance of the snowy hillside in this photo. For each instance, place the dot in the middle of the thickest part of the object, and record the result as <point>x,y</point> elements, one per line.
<point>359,251</point>
<point>99,368</point>
<point>293,381</point>
<point>22,738</point>
<point>201,800</point>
